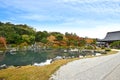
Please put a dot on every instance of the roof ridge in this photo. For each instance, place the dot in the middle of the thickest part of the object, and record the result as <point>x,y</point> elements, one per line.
<point>114,32</point>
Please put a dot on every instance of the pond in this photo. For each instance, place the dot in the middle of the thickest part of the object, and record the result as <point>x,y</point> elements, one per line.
<point>29,57</point>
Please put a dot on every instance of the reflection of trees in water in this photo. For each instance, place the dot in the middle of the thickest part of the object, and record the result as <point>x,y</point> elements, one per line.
<point>2,55</point>
<point>31,57</point>
<point>24,58</point>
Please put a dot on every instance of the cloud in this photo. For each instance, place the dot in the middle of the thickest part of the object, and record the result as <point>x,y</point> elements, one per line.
<point>99,31</point>
<point>66,8</point>
<point>83,28</point>
<point>96,32</point>
<point>77,6</point>
<point>38,17</point>
<point>29,5</point>
<point>96,6</point>
<point>87,1</point>
<point>92,18</point>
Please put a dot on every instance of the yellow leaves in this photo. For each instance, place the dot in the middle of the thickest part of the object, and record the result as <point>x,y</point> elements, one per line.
<point>51,38</point>
<point>88,40</point>
<point>24,44</point>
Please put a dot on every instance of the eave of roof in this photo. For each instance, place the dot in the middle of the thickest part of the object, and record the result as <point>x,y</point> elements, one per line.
<point>111,36</point>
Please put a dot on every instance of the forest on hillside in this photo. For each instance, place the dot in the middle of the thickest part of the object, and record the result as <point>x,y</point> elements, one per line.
<point>22,34</point>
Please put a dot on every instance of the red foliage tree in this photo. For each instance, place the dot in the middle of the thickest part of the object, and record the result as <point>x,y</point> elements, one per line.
<point>3,41</point>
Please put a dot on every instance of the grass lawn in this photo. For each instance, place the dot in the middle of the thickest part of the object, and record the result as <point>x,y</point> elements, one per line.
<point>112,52</point>
<point>34,72</point>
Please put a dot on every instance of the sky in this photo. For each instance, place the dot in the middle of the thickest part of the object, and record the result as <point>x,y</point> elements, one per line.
<point>86,18</point>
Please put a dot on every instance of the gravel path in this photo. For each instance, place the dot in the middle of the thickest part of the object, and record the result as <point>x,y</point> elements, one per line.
<point>98,68</point>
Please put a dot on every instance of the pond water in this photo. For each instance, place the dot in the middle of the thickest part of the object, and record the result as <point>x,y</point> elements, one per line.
<point>31,57</point>
<point>21,58</point>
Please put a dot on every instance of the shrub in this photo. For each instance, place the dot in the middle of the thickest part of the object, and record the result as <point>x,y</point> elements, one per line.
<point>89,47</point>
<point>115,44</point>
<point>107,49</point>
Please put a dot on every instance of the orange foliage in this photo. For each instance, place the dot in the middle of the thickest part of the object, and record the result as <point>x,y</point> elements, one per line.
<point>3,42</point>
<point>89,40</point>
<point>51,38</point>
<point>60,43</point>
<point>68,40</point>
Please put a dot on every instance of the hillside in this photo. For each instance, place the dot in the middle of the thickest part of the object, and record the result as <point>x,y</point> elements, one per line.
<point>22,34</point>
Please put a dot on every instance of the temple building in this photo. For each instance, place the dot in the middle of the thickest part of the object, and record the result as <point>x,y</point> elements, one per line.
<point>110,37</point>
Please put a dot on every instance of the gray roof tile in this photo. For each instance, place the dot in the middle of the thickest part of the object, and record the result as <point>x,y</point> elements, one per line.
<point>112,36</point>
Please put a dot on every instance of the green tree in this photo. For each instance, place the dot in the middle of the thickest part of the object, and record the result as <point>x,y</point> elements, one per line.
<point>13,33</point>
<point>28,38</point>
<point>44,40</point>
<point>59,37</point>
<point>41,36</point>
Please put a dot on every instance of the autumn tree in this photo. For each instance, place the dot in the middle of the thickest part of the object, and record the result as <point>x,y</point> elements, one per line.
<point>3,42</point>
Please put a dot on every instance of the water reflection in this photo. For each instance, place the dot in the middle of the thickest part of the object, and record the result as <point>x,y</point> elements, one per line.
<point>22,58</point>
<point>30,57</point>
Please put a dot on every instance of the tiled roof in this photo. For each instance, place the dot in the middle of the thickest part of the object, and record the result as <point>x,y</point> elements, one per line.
<point>112,36</point>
